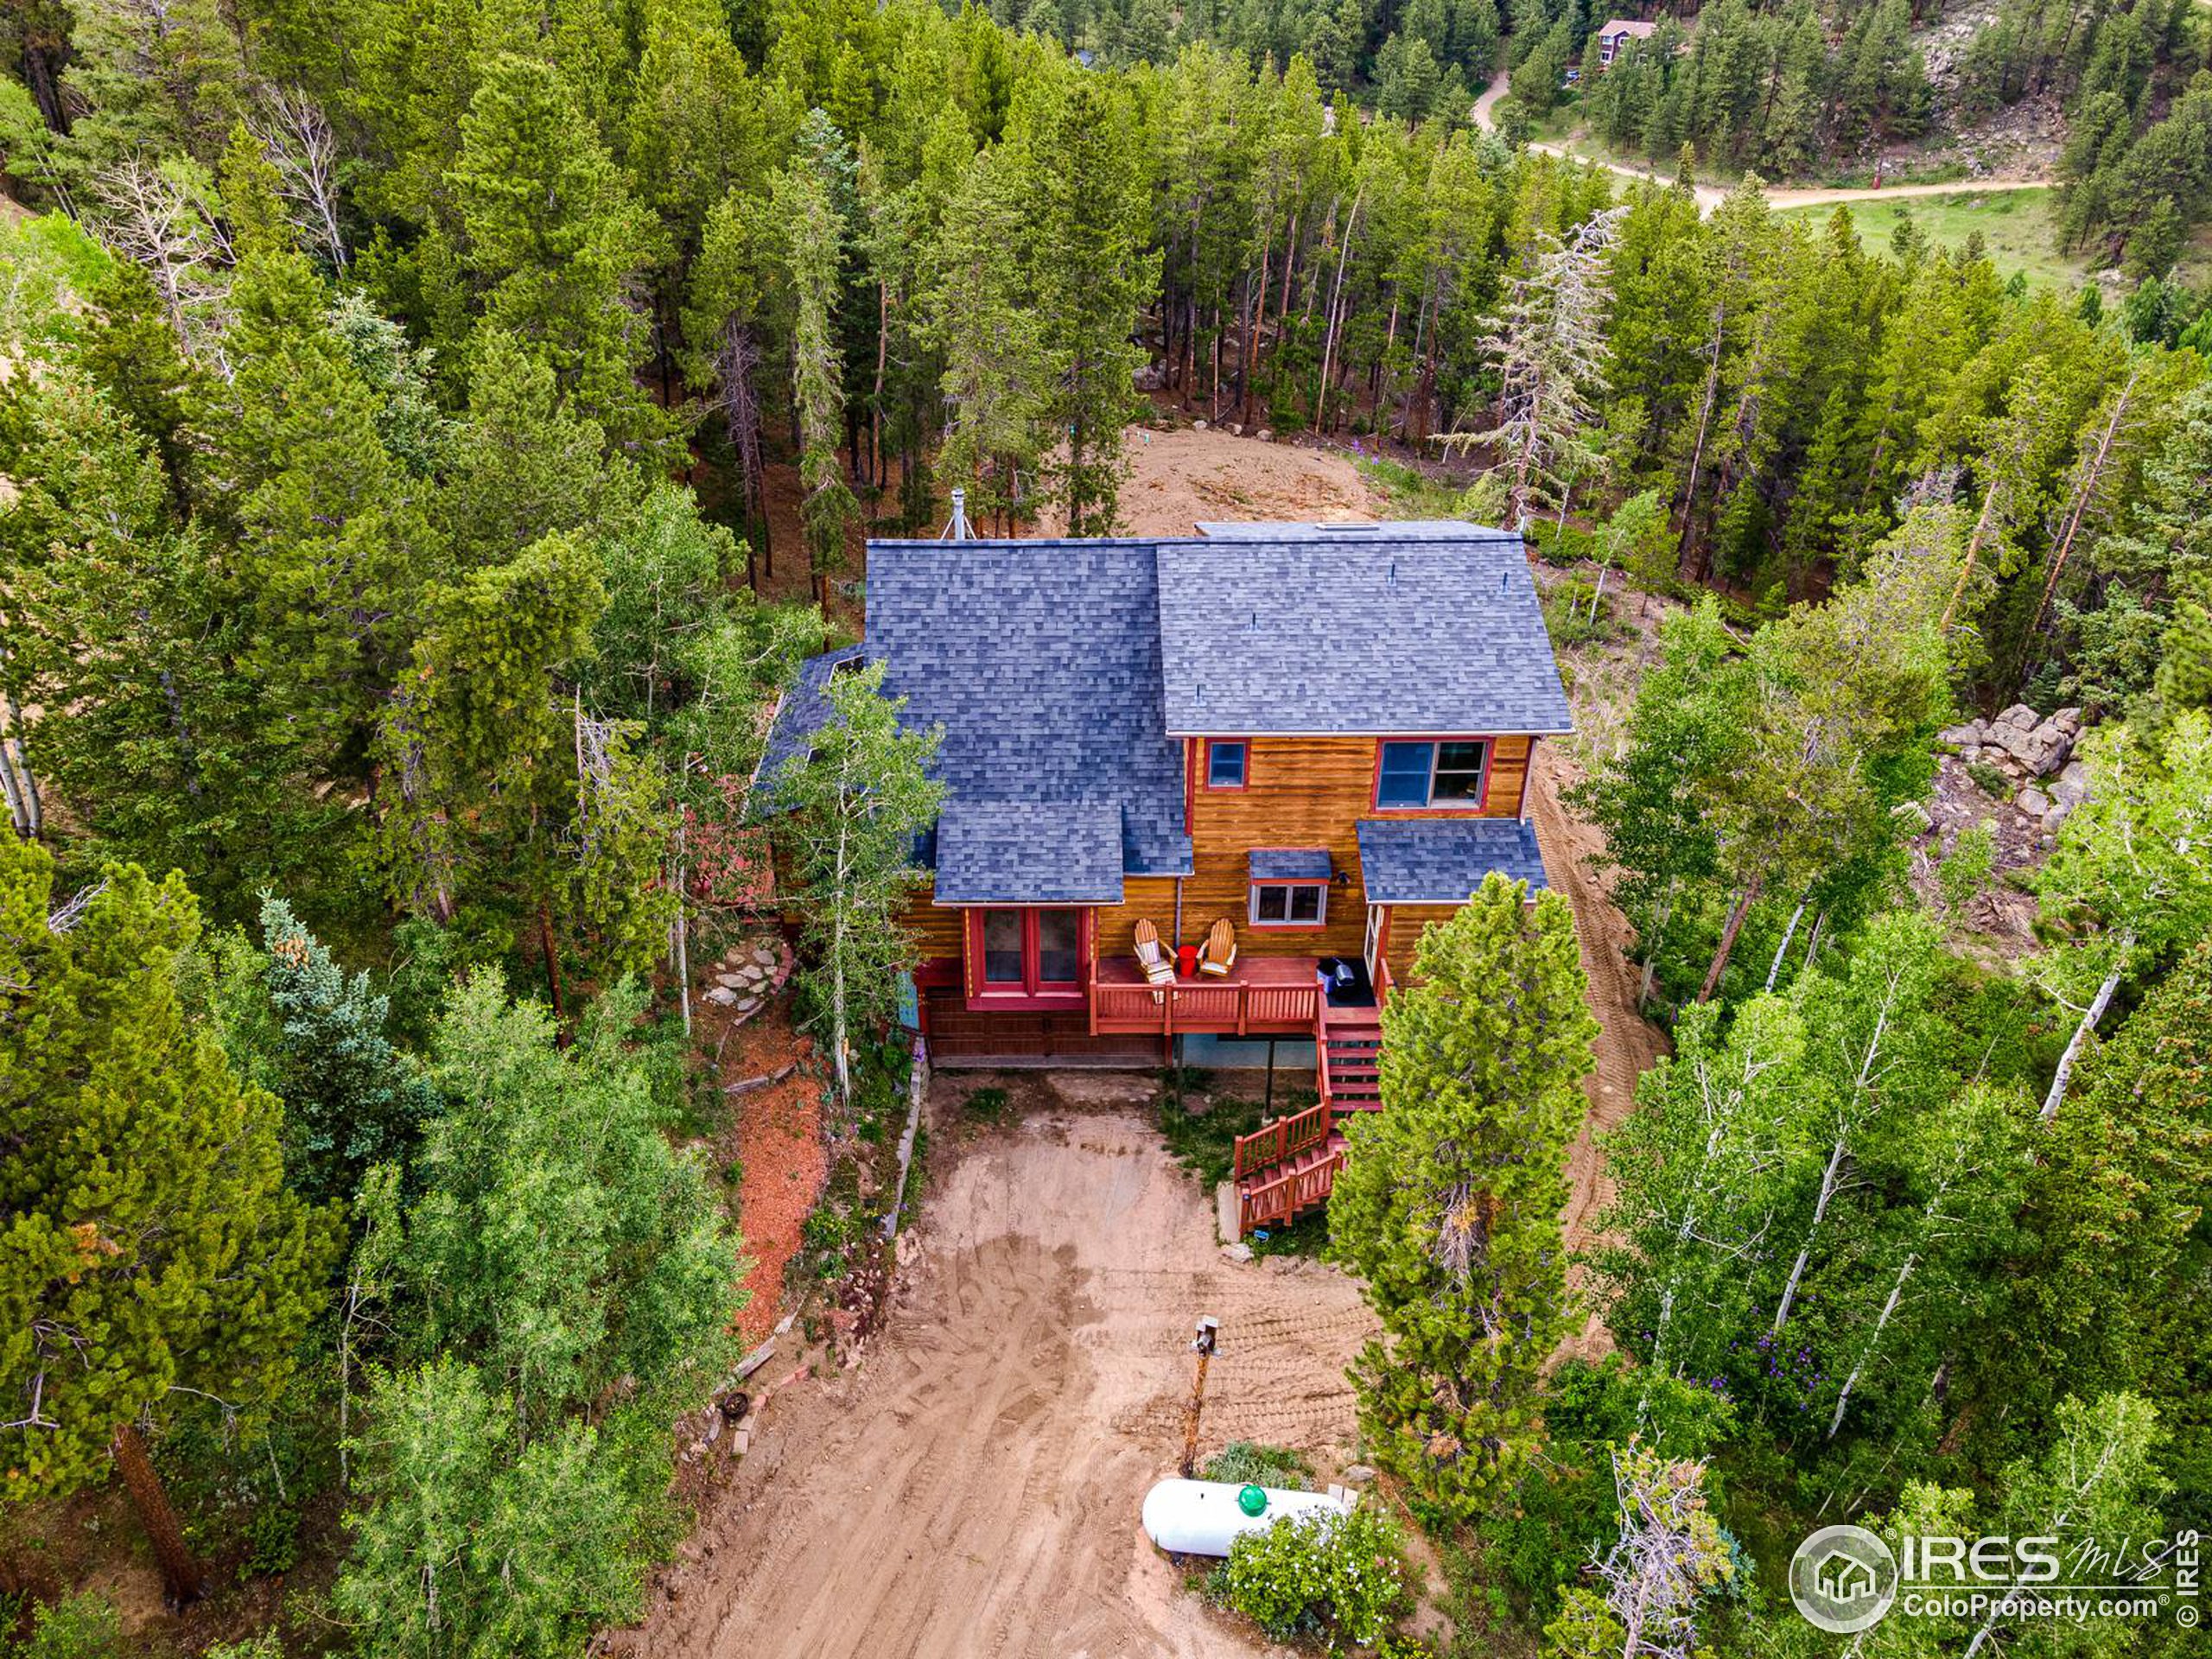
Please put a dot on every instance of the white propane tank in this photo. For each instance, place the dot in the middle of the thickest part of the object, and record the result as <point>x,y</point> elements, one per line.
<point>1203,1517</point>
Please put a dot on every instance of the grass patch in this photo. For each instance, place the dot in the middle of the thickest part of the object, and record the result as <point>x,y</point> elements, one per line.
<point>2017,229</point>
<point>1247,1462</point>
<point>1406,491</point>
<point>985,1105</point>
<point>1204,1142</point>
<point>1308,1236</point>
<point>1990,781</point>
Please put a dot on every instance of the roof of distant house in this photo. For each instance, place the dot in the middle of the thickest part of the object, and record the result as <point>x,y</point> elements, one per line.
<point>1066,674</point>
<point>1617,27</point>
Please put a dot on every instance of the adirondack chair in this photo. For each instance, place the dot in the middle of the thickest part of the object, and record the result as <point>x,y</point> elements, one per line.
<point>1151,957</point>
<point>1218,955</point>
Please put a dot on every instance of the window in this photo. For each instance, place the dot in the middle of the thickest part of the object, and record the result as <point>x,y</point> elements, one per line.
<point>1225,764</point>
<point>1448,773</point>
<point>1288,904</point>
<point>1028,954</point>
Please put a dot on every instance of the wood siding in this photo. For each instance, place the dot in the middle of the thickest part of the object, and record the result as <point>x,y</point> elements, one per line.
<point>1143,897</point>
<point>940,929</point>
<point>1306,791</point>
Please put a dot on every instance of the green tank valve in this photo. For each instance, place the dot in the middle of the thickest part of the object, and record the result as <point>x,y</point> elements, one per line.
<point>1253,1500</point>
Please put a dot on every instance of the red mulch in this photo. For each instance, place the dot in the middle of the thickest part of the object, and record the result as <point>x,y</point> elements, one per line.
<point>777,1137</point>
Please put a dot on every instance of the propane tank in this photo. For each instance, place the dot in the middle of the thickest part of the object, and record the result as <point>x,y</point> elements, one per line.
<point>1203,1517</point>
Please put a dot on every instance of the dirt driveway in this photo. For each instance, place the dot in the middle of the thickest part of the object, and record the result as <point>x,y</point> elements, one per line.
<point>972,1488</point>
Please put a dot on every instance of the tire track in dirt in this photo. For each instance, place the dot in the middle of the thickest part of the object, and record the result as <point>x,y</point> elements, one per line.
<point>971,1489</point>
<point>1627,1043</point>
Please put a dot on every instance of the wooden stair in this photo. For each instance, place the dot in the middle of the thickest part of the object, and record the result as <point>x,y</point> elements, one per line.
<point>1286,1167</point>
<point>1349,1049</point>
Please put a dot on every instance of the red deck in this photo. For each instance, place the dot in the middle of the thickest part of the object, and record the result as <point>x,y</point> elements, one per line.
<point>1262,996</point>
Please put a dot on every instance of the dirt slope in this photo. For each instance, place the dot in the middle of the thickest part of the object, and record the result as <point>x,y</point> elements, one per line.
<point>1178,477</point>
<point>972,1488</point>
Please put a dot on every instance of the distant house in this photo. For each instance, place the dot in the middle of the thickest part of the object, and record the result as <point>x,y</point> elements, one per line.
<point>1613,38</point>
<point>1311,740</point>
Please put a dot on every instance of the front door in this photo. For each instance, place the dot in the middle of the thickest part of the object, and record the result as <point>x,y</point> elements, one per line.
<point>1027,956</point>
<point>1372,948</point>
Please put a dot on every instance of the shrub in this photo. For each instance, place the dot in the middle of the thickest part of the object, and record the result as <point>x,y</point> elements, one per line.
<point>1342,1578</point>
<point>1246,1462</point>
<point>1989,781</point>
<point>986,1105</point>
<point>75,1627</point>
<point>1967,871</point>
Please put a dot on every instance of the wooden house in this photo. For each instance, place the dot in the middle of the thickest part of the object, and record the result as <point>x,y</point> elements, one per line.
<point>1320,734</point>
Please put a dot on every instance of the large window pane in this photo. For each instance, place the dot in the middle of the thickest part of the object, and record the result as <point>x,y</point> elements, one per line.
<point>1225,765</point>
<point>1458,771</point>
<point>1002,947</point>
<point>1270,904</point>
<point>1404,778</point>
<point>1306,904</point>
<point>1059,947</point>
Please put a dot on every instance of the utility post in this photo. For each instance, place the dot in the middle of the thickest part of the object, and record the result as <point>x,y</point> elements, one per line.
<point>1203,1346</point>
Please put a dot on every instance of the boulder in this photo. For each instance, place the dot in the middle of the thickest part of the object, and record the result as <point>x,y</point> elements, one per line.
<point>1359,1474</point>
<point>722,996</point>
<point>764,956</point>
<point>1240,1251</point>
<point>730,982</point>
<point>1265,435</point>
<point>2071,787</point>
<point>2070,720</point>
<point>2018,714</point>
<point>2034,803</point>
<point>1965,736</point>
<point>1235,429</point>
<point>1198,426</point>
<point>1150,377</point>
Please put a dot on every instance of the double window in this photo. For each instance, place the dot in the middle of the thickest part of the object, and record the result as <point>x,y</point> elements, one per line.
<point>1227,761</point>
<point>1289,904</point>
<point>1029,953</point>
<point>1448,773</point>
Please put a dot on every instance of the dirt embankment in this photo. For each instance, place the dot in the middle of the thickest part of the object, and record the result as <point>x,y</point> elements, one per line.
<point>971,1487</point>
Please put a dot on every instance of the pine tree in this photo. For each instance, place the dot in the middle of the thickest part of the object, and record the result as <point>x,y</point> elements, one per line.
<point>1549,345</point>
<point>805,203</point>
<point>1081,174</point>
<point>1448,1206</point>
<point>997,373</point>
<point>152,1249</point>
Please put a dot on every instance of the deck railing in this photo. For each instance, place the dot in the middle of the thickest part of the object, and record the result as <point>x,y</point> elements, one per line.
<point>1282,1139</point>
<point>1226,1008</point>
<point>1266,1202</point>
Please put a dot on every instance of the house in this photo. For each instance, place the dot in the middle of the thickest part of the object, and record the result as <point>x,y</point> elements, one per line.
<point>1613,38</point>
<point>1320,733</point>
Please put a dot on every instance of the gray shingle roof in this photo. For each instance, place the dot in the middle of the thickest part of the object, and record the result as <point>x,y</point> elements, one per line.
<point>1372,633</point>
<point>1288,863</point>
<point>1037,852</point>
<point>1442,860</point>
<point>800,714</point>
<point>1041,659</point>
<point>1065,673</point>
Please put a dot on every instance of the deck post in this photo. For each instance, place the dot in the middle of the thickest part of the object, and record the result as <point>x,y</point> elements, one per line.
<point>1269,1105</point>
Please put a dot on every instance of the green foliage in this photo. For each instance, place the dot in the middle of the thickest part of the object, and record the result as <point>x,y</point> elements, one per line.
<point>1204,1142</point>
<point>1448,1206</point>
<point>560,1245</point>
<point>477,1541</point>
<point>1246,1463</point>
<point>1965,872</point>
<point>1341,1578</point>
<point>82,1626</point>
<point>152,1246</point>
<point>986,1105</point>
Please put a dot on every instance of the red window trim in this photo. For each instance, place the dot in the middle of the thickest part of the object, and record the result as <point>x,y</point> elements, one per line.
<point>1032,994</point>
<point>1205,769</point>
<point>1252,909</point>
<point>1481,799</point>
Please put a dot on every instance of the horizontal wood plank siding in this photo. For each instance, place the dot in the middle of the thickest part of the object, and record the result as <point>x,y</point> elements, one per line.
<point>1143,897</point>
<point>940,929</point>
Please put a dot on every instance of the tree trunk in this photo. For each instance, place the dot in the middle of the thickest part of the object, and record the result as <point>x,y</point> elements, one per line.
<point>182,1579</point>
<point>2056,1095</point>
<point>1774,969</point>
<point>1973,547</point>
<point>1830,1176</point>
<point>1704,421</point>
<point>1728,941</point>
<point>1843,1400</point>
<point>2084,495</point>
<point>552,954</point>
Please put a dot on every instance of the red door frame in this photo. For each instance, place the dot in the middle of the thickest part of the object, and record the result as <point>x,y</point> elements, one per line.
<point>1032,993</point>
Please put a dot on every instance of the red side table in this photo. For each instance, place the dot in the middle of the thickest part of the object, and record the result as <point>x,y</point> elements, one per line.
<point>1186,961</point>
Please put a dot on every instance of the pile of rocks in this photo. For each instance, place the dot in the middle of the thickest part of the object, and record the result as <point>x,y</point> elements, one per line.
<point>749,975</point>
<point>2027,748</point>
